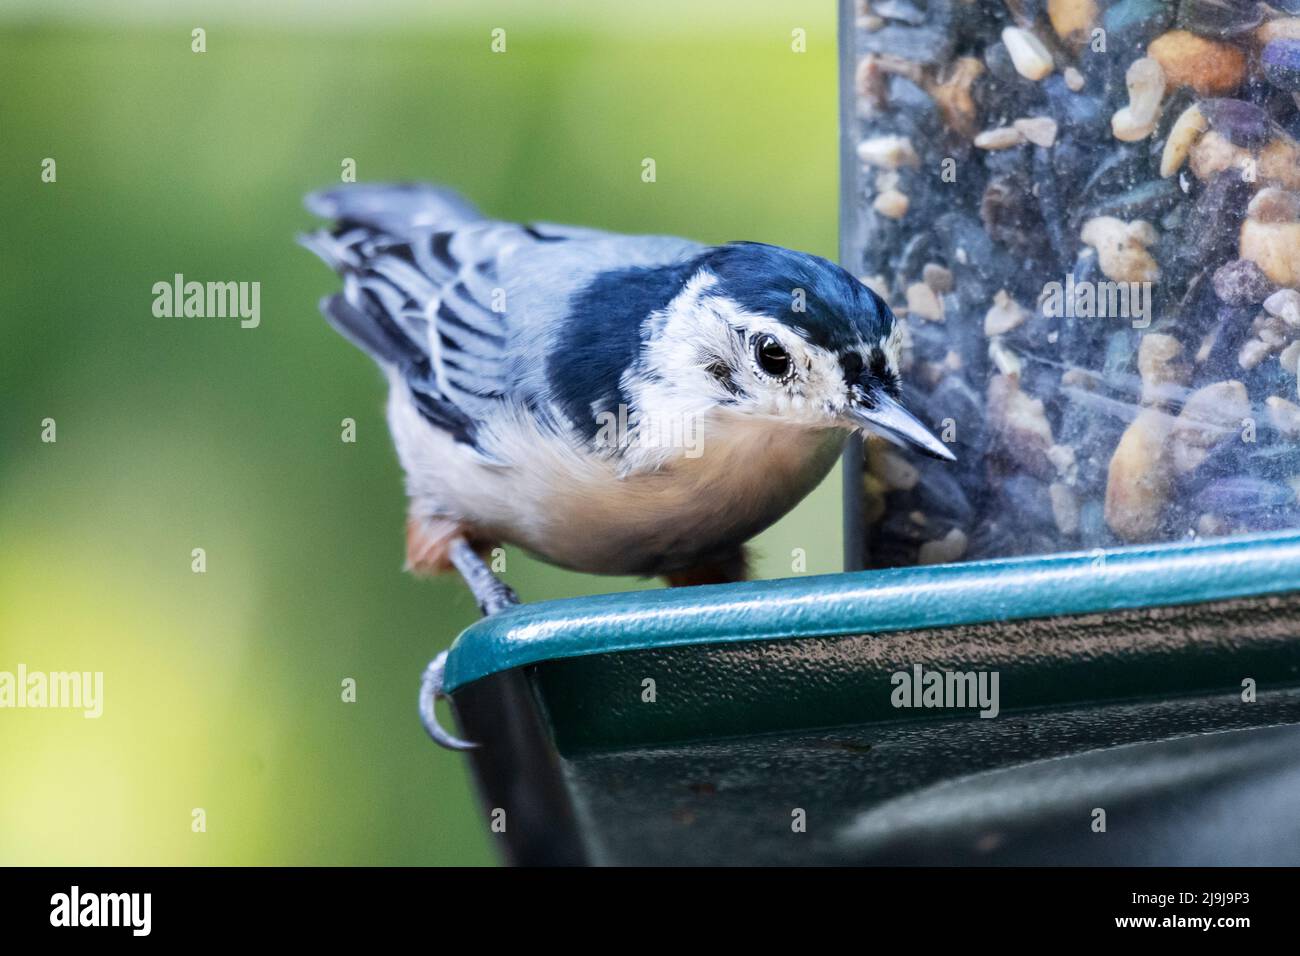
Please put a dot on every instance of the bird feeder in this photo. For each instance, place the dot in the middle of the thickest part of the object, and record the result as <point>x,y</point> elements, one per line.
<point>1080,643</point>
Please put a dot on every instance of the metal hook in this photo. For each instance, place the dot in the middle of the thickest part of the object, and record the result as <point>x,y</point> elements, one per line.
<point>430,691</point>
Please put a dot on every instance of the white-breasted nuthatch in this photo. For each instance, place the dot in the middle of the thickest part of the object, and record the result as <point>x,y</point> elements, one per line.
<point>613,404</point>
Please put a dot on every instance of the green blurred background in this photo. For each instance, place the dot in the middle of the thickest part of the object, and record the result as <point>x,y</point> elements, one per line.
<point>223,689</point>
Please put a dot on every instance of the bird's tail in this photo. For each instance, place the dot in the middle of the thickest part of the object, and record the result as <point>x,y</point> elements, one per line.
<point>369,219</point>
<point>399,209</point>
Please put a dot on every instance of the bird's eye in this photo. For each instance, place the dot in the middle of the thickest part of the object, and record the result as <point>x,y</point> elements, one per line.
<point>771,357</point>
<point>852,365</point>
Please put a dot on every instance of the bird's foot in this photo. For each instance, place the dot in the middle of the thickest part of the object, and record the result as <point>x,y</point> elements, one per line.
<point>491,593</point>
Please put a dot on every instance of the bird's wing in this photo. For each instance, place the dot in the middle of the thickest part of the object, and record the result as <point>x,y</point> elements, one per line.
<point>425,280</point>
<point>419,288</point>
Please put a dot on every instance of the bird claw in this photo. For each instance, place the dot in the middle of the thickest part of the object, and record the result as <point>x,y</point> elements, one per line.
<point>499,599</point>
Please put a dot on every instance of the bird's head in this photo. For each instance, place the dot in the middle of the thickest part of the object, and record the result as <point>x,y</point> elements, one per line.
<point>763,332</point>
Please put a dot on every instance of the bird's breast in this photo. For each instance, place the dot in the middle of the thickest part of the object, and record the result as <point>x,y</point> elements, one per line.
<point>668,513</point>
<point>643,511</point>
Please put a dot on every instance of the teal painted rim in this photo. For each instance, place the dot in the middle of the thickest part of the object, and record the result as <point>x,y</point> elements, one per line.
<point>871,602</point>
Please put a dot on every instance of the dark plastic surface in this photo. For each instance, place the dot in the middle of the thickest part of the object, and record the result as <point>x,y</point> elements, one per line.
<point>741,735</point>
<point>721,690</point>
<point>1184,782</point>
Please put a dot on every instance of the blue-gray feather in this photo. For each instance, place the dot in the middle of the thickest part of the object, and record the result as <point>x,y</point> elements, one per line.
<point>835,310</point>
<point>602,338</point>
<point>464,306</point>
<point>476,312</point>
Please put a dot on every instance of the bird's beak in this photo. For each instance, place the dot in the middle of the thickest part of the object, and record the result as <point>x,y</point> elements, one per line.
<point>891,420</point>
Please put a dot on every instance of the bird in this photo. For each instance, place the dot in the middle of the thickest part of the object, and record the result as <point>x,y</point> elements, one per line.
<point>614,404</point>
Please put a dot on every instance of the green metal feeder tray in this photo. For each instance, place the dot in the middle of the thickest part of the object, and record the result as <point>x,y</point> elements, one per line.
<point>1153,691</point>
